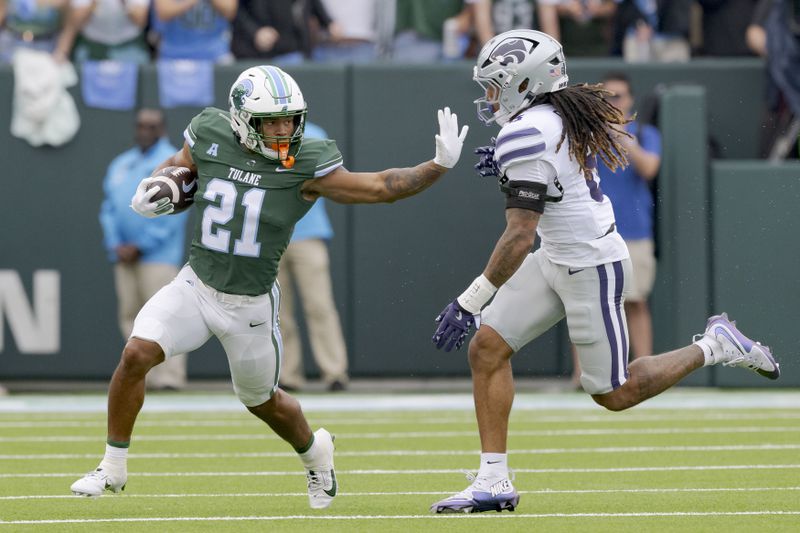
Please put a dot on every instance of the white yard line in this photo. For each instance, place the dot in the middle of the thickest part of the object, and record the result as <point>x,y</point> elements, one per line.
<point>433,434</point>
<point>411,493</point>
<point>403,417</point>
<point>682,398</point>
<point>327,517</point>
<point>383,472</point>
<point>418,453</point>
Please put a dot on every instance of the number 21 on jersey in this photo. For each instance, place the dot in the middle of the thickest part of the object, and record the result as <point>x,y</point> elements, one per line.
<point>215,237</point>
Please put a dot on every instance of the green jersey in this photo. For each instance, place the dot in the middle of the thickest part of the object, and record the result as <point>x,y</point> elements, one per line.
<point>247,204</point>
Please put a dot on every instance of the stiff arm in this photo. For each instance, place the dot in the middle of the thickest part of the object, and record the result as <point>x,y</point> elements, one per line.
<point>389,185</point>
<point>393,184</point>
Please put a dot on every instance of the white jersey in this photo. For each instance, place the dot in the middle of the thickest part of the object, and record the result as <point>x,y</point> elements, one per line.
<point>578,230</point>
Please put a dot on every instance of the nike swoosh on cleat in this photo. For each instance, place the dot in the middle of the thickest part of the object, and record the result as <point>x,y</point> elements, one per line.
<point>331,492</point>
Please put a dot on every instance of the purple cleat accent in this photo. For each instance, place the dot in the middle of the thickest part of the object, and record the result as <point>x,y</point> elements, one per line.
<point>480,497</point>
<point>738,350</point>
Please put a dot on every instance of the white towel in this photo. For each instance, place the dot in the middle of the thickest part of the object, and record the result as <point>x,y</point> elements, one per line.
<point>43,112</point>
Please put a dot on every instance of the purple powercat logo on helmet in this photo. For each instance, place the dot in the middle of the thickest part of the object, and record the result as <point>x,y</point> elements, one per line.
<point>511,51</point>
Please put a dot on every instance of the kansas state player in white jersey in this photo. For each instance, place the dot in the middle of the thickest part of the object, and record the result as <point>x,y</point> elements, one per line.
<point>544,157</point>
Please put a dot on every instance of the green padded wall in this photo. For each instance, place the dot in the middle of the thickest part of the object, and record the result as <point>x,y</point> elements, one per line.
<point>755,259</point>
<point>681,299</point>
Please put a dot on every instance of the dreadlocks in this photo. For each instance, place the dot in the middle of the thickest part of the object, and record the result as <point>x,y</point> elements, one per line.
<point>588,118</point>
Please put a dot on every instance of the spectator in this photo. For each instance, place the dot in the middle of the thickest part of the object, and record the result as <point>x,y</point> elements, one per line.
<point>652,30</point>
<point>724,26</point>
<point>585,25</point>
<point>146,253</point>
<point>360,32</point>
<point>279,30</point>
<point>783,61</point>
<point>499,16</point>
<point>105,30</point>
<point>27,24</point>
<point>306,262</point>
<point>776,115</point>
<point>419,29</point>
<point>194,29</point>
<point>631,195</point>
<point>756,34</point>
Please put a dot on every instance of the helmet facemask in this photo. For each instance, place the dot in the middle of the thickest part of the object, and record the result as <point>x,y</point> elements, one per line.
<point>280,147</point>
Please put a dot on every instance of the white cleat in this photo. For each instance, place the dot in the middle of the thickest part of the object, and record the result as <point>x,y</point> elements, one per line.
<point>95,482</point>
<point>738,350</point>
<point>481,496</point>
<point>322,486</point>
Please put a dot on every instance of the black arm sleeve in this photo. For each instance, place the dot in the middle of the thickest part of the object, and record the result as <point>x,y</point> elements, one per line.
<point>529,195</point>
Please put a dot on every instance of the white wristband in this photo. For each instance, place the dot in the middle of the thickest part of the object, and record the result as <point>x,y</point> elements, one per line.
<point>475,297</point>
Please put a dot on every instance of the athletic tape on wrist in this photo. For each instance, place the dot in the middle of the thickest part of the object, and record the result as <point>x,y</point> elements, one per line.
<point>475,297</point>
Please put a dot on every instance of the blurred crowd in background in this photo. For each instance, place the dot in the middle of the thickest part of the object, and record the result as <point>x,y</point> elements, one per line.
<point>293,31</point>
<point>188,37</point>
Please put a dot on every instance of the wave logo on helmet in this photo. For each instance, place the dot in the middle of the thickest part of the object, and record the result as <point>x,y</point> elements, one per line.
<point>511,51</point>
<point>240,92</point>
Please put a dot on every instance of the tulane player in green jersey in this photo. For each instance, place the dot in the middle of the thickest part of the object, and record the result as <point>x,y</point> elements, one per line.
<point>256,176</point>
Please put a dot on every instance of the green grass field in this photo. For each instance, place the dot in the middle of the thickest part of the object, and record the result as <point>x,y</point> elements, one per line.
<point>661,467</point>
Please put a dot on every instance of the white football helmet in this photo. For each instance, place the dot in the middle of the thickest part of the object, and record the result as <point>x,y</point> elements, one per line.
<point>512,68</point>
<point>267,92</point>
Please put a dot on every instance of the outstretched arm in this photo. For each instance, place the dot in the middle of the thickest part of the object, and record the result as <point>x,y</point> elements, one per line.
<point>392,184</point>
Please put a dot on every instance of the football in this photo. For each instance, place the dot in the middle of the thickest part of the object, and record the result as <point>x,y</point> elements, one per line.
<point>176,183</point>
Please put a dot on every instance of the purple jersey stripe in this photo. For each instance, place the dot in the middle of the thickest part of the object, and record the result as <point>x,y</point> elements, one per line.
<point>612,336</point>
<point>619,281</point>
<point>505,159</point>
<point>516,135</point>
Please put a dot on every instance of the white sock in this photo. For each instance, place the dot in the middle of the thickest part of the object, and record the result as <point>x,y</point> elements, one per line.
<point>494,465</point>
<point>311,457</point>
<point>115,459</point>
<point>708,350</point>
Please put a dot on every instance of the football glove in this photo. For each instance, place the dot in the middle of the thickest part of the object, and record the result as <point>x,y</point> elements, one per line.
<point>141,201</point>
<point>487,165</point>
<point>455,323</point>
<point>449,141</point>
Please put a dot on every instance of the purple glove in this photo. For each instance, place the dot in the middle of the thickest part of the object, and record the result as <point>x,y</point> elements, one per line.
<point>487,165</point>
<point>454,325</point>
